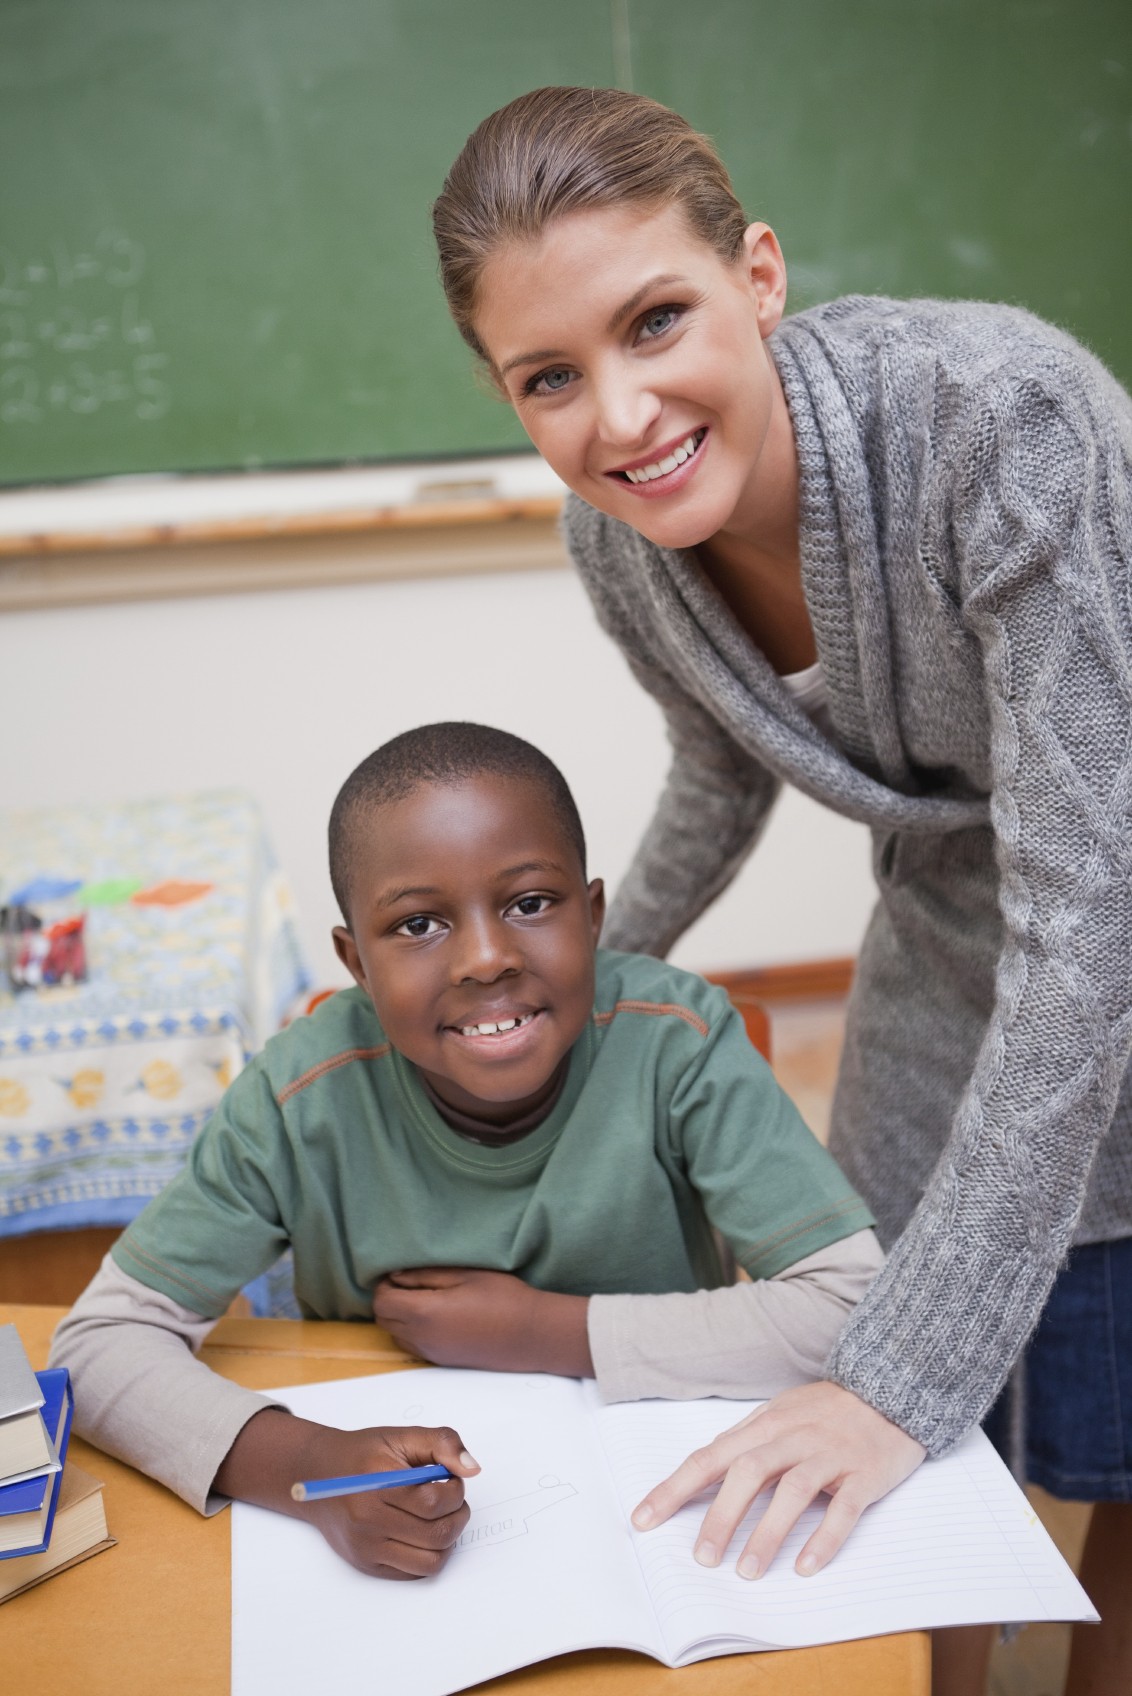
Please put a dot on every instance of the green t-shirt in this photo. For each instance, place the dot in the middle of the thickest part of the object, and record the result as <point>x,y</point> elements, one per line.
<point>669,1122</point>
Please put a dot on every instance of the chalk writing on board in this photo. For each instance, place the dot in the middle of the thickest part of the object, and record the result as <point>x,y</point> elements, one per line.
<point>74,337</point>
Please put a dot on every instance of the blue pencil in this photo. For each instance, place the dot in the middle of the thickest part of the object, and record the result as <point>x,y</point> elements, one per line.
<point>319,1489</point>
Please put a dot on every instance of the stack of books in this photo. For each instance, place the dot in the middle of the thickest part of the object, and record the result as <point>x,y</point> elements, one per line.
<point>51,1512</point>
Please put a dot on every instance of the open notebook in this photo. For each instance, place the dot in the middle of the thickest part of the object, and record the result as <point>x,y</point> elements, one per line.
<point>549,1562</point>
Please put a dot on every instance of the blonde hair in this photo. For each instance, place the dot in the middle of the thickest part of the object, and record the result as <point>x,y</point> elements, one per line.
<point>561,150</point>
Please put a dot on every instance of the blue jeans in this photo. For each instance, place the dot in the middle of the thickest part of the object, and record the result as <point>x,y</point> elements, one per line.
<point>1078,1369</point>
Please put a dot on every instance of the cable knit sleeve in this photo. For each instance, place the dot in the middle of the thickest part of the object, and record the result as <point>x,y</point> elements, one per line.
<point>716,798</point>
<point>1041,516</point>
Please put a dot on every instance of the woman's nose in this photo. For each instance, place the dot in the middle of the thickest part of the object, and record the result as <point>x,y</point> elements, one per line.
<point>626,409</point>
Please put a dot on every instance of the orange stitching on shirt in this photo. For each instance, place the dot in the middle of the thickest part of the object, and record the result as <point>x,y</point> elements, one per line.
<point>659,1008</point>
<point>331,1065</point>
<point>173,1273</point>
<point>755,1251</point>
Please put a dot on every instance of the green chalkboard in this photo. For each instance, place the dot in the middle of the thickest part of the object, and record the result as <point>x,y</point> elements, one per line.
<point>976,149</point>
<point>214,239</point>
<point>214,224</point>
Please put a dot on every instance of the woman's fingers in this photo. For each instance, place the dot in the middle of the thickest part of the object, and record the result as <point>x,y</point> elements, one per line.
<point>844,1510</point>
<point>796,1488</point>
<point>745,1479</point>
<point>703,1468</point>
<point>813,1439</point>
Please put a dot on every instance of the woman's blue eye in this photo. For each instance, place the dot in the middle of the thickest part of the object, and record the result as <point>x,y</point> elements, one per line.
<point>661,318</point>
<point>550,382</point>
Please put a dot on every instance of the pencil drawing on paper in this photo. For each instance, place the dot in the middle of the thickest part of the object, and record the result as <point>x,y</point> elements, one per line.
<point>498,1522</point>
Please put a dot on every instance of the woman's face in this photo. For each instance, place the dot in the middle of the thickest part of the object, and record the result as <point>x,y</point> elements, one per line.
<point>634,356</point>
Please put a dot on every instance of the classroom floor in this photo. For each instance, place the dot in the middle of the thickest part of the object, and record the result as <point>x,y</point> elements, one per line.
<point>805,1045</point>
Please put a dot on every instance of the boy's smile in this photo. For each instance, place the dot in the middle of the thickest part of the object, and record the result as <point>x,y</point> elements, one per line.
<point>473,932</point>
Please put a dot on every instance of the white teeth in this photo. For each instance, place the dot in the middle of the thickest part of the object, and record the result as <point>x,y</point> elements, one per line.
<point>493,1029</point>
<point>662,468</point>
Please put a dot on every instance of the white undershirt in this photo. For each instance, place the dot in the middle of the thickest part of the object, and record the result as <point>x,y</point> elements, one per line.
<point>812,695</point>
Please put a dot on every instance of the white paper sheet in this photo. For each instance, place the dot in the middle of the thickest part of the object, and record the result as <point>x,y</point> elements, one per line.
<point>957,1543</point>
<point>546,1563</point>
<point>549,1562</point>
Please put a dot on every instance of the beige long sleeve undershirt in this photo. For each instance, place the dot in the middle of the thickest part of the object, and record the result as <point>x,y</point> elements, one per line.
<point>141,1395</point>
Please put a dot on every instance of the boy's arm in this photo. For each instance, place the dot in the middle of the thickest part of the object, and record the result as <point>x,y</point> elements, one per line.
<point>752,1339</point>
<point>140,1395</point>
<point>748,1340</point>
<point>121,1335</point>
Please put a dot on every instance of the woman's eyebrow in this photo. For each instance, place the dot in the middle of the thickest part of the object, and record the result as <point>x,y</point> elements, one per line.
<point>635,299</point>
<point>530,359</point>
<point>618,318</point>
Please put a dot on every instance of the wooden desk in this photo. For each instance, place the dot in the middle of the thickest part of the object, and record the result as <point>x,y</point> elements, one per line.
<point>155,1613</point>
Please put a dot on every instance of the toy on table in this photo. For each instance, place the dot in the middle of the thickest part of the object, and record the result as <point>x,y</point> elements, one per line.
<point>44,940</point>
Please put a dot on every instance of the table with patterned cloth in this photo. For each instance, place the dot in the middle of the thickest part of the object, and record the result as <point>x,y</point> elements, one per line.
<point>193,961</point>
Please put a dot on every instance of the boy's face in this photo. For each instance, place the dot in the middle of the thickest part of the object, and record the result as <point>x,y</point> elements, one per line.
<point>469,909</point>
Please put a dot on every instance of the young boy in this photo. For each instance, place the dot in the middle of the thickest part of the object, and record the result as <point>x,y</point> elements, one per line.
<point>508,1146</point>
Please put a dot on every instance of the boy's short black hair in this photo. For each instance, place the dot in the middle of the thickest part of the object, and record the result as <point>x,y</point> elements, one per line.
<point>439,753</point>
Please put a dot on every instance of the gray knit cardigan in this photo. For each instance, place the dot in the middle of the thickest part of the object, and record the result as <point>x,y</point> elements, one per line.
<point>966,523</point>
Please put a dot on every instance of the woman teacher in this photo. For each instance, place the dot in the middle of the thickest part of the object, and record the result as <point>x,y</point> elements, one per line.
<point>879,550</point>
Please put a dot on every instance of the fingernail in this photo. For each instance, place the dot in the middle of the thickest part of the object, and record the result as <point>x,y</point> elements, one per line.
<point>707,1554</point>
<point>466,1460</point>
<point>807,1566</point>
<point>750,1567</point>
<point>643,1518</point>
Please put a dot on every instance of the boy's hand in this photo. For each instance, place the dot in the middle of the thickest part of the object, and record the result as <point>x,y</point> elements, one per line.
<point>812,1440</point>
<point>405,1533</point>
<point>462,1316</point>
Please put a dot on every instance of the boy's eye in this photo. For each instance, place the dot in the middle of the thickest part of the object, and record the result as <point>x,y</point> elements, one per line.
<point>527,906</point>
<point>656,322</point>
<point>418,925</point>
<point>549,382</point>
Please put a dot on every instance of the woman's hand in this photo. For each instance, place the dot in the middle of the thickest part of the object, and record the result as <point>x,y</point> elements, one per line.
<point>815,1439</point>
<point>402,1533</point>
<point>462,1316</point>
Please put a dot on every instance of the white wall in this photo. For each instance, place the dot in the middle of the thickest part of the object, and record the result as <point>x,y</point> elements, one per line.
<point>283,692</point>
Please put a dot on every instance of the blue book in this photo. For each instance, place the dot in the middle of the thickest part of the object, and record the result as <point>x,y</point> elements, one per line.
<point>27,1509</point>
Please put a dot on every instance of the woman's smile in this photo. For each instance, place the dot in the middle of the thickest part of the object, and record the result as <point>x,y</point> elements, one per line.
<point>656,477</point>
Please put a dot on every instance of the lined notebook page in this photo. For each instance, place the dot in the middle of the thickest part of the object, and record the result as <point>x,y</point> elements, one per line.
<point>545,1565</point>
<point>956,1543</point>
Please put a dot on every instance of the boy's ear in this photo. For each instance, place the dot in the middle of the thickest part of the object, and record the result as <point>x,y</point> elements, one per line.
<point>347,951</point>
<point>596,893</point>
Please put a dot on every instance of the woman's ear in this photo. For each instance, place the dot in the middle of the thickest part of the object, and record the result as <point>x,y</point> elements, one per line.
<point>347,951</point>
<point>766,275</point>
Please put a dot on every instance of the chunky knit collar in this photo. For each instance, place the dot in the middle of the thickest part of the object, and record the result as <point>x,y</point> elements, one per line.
<point>865,775</point>
<point>842,572</point>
